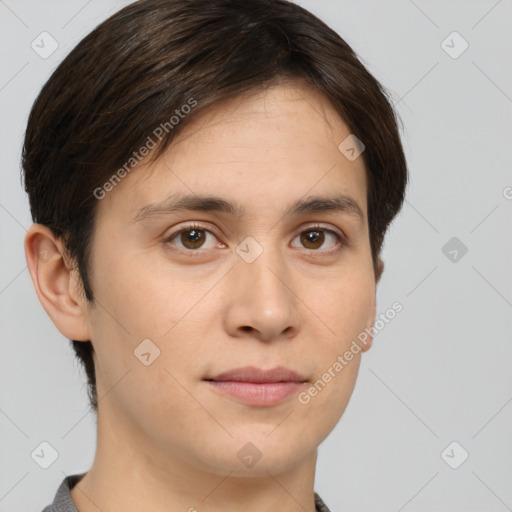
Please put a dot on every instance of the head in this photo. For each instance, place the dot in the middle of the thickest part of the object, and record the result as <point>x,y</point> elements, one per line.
<point>248,101</point>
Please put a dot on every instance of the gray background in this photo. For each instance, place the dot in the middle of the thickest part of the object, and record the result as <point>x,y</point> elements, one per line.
<point>438,373</point>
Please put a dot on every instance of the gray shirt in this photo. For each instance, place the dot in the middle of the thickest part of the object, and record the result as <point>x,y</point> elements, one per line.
<point>64,503</point>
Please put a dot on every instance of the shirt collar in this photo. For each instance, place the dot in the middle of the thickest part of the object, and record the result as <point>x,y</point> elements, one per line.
<point>64,503</point>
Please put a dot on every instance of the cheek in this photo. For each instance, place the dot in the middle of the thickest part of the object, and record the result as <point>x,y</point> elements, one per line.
<point>137,298</point>
<point>137,303</point>
<point>322,404</point>
<point>345,308</point>
<point>343,305</point>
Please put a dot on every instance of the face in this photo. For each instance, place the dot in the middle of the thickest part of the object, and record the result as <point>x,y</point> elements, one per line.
<point>185,295</point>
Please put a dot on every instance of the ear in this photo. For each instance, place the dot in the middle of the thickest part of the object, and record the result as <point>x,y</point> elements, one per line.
<point>56,283</point>
<point>379,270</point>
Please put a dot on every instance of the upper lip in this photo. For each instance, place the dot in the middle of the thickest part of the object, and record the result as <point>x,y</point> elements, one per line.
<point>254,374</point>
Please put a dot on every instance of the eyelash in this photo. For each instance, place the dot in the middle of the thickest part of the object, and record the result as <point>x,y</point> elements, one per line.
<point>341,239</point>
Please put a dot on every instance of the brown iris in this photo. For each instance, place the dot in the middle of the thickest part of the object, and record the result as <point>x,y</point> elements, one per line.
<point>194,237</point>
<point>312,237</point>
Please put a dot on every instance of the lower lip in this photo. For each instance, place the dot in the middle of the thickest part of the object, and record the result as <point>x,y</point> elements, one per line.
<point>259,394</point>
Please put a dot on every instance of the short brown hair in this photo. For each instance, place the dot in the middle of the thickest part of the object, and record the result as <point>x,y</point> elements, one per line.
<point>131,73</point>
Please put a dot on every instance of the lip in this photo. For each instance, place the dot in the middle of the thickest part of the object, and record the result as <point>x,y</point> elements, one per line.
<point>254,374</point>
<point>258,387</point>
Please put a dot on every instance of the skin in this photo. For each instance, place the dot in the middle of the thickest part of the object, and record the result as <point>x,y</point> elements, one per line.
<point>166,441</point>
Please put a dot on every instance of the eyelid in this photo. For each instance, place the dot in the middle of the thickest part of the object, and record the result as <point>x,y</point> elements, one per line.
<point>342,238</point>
<point>188,227</point>
<point>324,227</point>
<point>340,235</point>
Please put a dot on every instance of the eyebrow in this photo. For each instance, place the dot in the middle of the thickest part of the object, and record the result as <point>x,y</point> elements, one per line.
<point>176,203</point>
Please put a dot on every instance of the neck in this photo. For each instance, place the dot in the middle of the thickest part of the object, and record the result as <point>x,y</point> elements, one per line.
<point>131,473</point>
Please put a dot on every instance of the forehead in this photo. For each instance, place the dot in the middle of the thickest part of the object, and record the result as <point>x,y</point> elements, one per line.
<point>266,147</point>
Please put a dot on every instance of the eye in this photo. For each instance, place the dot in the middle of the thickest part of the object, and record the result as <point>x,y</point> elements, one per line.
<point>314,237</point>
<point>194,237</point>
<point>191,237</point>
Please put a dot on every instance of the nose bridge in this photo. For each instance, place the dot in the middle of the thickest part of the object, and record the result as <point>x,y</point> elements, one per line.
<point>265,266</point>
<point>265,299</point>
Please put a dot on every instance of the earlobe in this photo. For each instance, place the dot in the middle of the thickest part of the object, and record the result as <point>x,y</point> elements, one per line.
<point>379,269</point>
<point>56,282</point>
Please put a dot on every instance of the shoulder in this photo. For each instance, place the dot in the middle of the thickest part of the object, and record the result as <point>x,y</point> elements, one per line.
<point>62,501</point>
<point>319,504</point>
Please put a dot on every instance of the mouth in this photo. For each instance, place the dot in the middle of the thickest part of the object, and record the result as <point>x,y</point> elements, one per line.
<point>257,387</point>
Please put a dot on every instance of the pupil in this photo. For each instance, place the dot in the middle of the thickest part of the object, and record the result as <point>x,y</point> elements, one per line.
<point>312,237</point>
<point>193,238</point>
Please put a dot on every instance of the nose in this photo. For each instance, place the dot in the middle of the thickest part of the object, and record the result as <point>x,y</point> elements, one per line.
<point>262,302</point>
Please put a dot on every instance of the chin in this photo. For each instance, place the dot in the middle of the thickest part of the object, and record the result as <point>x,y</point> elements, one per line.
<point>258,452</point>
